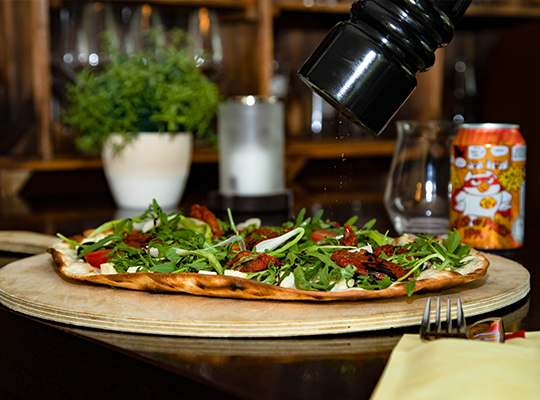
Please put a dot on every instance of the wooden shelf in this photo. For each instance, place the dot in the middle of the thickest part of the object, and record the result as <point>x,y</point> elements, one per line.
<point>484,11</point>
<point>339,148</point>
<point>232,4</point>
<point>504,11</point>
<point>204,155</point>
<point>15,173</point>
<point>299,6</point>
<point>309,149</point>
<point>299,153</point>
<point>65,164</point>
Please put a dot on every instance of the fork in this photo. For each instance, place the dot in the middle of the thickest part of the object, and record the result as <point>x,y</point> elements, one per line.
<point>429,333</point>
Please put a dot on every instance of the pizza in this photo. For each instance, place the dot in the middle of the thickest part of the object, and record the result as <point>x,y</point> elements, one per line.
<point>306,258</point>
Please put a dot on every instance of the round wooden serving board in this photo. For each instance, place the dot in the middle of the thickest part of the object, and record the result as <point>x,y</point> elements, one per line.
<point>33,286</point>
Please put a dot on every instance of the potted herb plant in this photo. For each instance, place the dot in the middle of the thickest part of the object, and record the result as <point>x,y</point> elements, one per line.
<point>141,111</point>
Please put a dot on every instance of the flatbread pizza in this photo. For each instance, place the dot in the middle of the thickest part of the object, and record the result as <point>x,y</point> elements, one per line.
<point>307,258</point>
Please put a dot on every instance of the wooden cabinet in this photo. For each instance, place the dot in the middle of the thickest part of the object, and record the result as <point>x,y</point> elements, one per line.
<point>254,32</point>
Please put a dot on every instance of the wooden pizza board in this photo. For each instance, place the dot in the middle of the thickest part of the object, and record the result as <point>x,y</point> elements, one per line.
<point>26,242</point>
<point>33,286</point>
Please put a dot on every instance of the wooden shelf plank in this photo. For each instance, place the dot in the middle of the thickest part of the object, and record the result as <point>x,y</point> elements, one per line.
<point>232,4</point>
<point>501,11</point>
<point>204,155</point>
<point>504,11</point>
<point>299,6</point>
<point>66,164</point>
<point>339,148</point>
<point>323,149</point>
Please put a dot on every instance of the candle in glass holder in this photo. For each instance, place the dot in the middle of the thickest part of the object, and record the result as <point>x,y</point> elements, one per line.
<point>251,146</point>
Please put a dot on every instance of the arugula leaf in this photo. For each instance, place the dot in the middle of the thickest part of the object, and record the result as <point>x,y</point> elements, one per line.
<point>166,268</point>
<point>409,287</point>
<point>196,226</point>
<point>317,217</point>
<point>212,260</point>
<point>300,218</point>
<point>327,261</point>
<point>348,272</point>
<point>102,228</point>
<point>385,282</point>
<point>351,221</point>
<point>368,225</point>
<point>452,242</point>
<point>73,243</point>
<point>231,221</point>
<point>290,243</point>
<point>100,243</point>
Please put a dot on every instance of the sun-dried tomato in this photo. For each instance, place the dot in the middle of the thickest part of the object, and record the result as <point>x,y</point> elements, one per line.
<point>349,237</point>
<point>138,240</point>
<point>390,250</point>
<point>260,263</point>
<point>204,214</point>
<point>239,256</point>
<point>367,263</point>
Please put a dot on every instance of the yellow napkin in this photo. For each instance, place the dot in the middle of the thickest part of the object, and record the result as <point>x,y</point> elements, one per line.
<point>462,369</point>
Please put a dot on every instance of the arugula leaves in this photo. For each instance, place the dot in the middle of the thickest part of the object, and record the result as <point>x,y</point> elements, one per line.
<point>181,244</point>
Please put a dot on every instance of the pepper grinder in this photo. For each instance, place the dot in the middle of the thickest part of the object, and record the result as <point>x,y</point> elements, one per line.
<point>366,67</point>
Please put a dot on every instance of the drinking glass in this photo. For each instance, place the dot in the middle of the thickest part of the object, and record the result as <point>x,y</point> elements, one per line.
<point>417,191</point>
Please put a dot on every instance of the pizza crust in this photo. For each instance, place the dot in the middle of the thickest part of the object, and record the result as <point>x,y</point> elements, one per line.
<point>240,288</point>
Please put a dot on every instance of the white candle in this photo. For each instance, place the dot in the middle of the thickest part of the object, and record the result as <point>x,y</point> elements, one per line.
<point>253,171</point>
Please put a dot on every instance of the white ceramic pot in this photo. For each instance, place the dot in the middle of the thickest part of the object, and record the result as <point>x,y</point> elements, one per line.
<point>152,166</point>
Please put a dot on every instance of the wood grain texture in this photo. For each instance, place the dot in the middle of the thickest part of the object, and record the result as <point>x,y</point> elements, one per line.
<point>33,286</point>
<point>26,242</point>
<point>41,78</point>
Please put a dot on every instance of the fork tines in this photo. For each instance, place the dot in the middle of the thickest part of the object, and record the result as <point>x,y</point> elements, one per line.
<point>428,332</point>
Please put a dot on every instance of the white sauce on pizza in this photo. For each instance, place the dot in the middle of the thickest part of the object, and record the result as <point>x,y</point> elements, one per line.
<point>470,267</point>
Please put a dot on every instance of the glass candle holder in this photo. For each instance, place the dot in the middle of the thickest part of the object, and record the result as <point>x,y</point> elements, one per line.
<point>251,146</point>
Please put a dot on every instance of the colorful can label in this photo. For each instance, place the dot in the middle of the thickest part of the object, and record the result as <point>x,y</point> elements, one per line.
<point>487,176</point>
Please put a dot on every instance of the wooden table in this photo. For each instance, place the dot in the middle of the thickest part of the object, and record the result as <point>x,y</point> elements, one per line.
<point>43,359</point>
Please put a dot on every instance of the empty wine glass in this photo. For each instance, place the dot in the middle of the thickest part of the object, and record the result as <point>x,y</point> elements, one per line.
<point>96,18</point>
<point>135,20</point>
<point>65,57</point>
<point>203,27</point>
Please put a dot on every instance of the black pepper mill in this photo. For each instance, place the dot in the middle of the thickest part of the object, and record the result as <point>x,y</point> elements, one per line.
<point>366,67</point>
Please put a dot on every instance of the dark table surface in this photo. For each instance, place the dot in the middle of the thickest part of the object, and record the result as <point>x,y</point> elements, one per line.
<point>42,359</point>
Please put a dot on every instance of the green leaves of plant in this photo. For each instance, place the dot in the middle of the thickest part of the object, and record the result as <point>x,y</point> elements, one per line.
<point>159,89</point>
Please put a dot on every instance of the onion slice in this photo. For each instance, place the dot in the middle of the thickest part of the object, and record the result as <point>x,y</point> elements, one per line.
<point>274,243</point>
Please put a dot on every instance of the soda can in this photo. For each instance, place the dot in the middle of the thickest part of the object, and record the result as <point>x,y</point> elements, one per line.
<point>487,176</point>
